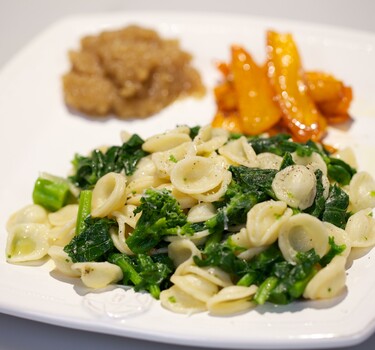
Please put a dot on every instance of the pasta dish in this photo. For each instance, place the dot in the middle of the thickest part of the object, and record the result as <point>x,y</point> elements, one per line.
<point>203,219</point>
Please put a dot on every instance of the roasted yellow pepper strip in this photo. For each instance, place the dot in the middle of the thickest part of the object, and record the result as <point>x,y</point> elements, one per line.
<point>300,113</point>
<point>257,109</point>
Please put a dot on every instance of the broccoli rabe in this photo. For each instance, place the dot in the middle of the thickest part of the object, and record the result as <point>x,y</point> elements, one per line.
<point>280,144</point>
<point>279,281</point>
<point>50,194</point>
<point>248,187</point>
<point>93,243</point>
<point>88,170</point>
<point>144,272</point>
<point>161,215</point>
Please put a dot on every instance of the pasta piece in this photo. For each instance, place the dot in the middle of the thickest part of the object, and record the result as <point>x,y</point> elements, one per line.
<point>108,194</point>
<point>181,129</point>
<point>63,262</point>
<point>201,212</point>
<point>212,274</point>
<point>165,161</point>
<point>300,233</point>
<point>27,242</point>
<point>361,229</point>
<point>216,193</point>
<point>362,191</point>
<point>62,235</point>
<point>98,274</point>
<point>267,160</point>
<point>210,139</point>
<point>184,200</point>
<point>296,186</point>
<point>197,238</point>
<point>145,167</point>
<point>165,141</point>
<point>347,155</point>
<point>231,300</point>
<point>183,250</point>
<point>63,215</point>
<point>125,136</point>
<point>126,222</point>
<point>329,281</point>
<point>250,253</point>
<point>196,286</point>
<point>340,236</point>
<point>241,239</point>
<point>240,152</point>
<point>32,213</point>
<point>264,221</point>
<point>135,189</point>
<point>197,174</point>
<point>313,162</point>
<point>178,301</point>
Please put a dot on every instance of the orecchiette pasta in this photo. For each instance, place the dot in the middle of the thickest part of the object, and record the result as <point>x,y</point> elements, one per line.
<point>296,186</point>
<point>329,281</point>
<point>313,162</point>
<point>165,161</point>
<point>300,233</point>
<point>63,262</point>
<point>362,191</point>
<point>32,213</point>
<point>108,195</point>
<point>201,212</point>
<point>210,139</point>
<point>197,174</point>
<point>164,142</point>
<point>212,222</point>
<point>232,299</point>
<point>361,229</point>
<point>98,274</point>
<point>268,160</point>
<point>239,152</point>
<point>264,221</point>
<point>27,242</point>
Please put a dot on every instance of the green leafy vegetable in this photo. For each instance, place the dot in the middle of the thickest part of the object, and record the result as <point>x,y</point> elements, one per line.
<point>318,206</point>
<point>287,161</point>
<point>145,272</point>
<point>340,171</point>
<point>88,170</point>
<point>161,216</point>
<point>335,207</point>
<point>93,243</point>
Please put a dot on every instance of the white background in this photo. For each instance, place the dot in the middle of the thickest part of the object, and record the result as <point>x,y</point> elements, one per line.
<point>21,20</point>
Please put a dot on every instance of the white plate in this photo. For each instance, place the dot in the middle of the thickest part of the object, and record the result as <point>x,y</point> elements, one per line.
<point>38,133</point>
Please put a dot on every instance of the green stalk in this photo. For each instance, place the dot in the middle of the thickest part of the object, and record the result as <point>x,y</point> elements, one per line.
<point>84,210</point>
<point>127,269</point>
<point>49,194</point>
<point>247,280</point>
<point>265,290</point>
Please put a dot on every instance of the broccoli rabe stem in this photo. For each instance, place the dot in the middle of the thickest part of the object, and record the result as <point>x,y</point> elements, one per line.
<point>247,280</point>
<point>265,290</point>
<point>49,194</point>
<point>130,273</point>
<point>84,210</point>
<point>123,261</point>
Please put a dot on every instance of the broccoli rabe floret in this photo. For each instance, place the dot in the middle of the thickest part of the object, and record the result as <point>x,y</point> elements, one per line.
<point>161,215</point>
<point>145,272</point>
